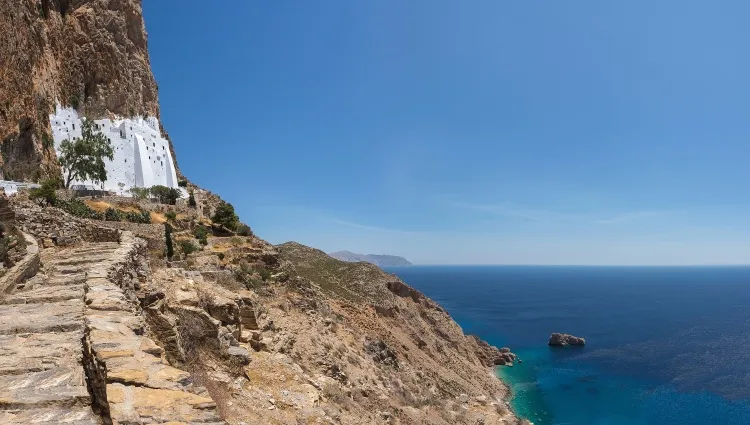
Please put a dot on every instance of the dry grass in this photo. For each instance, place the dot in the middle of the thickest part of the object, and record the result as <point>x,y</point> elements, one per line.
<point>158,218</point>
<point>98,206</point>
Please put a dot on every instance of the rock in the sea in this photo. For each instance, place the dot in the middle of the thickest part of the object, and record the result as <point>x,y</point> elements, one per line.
<point>561,340</point>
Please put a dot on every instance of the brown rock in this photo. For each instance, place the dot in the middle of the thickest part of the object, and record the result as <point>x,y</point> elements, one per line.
<point>561,340</point>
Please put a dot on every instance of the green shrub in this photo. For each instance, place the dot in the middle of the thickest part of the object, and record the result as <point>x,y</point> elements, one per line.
<point>78,209</point>
<point>201,234</point>
<point>75,100</point>
<point>143,217</point>
<point>225,216</point>
<point>170,215</point>
<point>187,247</point>
<point>168,240</point>
<point>191,200</point>
<point>220,255</point>
<point>244,230</point>
<point>112,214</point>
<point>264,273</point>
<point>45,193</point>
<point>182,183</point>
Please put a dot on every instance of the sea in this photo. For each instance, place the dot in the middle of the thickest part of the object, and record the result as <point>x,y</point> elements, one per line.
<point>664,345</point>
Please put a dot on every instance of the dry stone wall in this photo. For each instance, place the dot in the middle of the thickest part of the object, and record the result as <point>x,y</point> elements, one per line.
<point>52,226</point>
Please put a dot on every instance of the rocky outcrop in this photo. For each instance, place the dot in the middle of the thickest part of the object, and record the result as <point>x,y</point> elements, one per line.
<point>561,340</point>
<point>91,54</point>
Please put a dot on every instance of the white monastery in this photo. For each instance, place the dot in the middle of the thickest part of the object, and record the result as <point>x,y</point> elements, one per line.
<point>141,155</point>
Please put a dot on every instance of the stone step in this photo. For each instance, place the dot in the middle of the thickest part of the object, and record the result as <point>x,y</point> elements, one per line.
<point>61,316</point>
<point>46,294</point>
<point>131,404</point>
<point>82,257</point>
<point>75,415</point>
<point>60,387</point>
<point>36,352</point>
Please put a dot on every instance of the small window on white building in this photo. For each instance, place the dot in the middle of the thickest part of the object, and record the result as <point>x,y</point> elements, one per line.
<point>74,126</point>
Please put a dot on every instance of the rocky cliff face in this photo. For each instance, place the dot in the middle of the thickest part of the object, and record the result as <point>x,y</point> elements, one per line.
<point>91,54</point>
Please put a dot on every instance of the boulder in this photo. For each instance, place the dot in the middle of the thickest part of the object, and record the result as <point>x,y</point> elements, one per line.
<point>240,354</point>
<point>562,340</point>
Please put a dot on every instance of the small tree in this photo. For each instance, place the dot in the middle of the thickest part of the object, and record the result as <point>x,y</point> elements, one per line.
<point>226,216</point>
<point>83,159</point>
<point>168,239</point>
<point>46,193</point>
<point>165,195</point>
<point>140,192</point>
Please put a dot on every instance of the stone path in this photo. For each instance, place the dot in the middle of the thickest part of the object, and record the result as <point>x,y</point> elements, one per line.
<point>42,380</point>
<point>73,321</point>
<point>141,387</point>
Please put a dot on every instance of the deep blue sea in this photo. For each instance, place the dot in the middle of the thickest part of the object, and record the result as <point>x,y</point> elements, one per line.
<point>665,345</point>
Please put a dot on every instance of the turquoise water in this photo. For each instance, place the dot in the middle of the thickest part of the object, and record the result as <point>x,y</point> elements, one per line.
<point>665,345</point>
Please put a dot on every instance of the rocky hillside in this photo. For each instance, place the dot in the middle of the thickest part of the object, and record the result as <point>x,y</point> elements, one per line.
<point>91,54</point>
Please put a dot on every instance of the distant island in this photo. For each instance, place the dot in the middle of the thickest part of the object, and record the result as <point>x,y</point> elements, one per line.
<point>378,260</point>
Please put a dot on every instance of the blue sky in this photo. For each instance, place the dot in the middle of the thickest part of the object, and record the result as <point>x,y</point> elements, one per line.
<point>479,132</point>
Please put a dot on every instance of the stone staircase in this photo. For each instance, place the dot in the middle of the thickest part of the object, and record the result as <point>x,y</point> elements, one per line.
<point>73,349</point>
<point>41,332</point>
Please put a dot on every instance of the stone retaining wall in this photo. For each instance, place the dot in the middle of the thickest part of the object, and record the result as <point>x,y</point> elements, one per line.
<point>24,269</point>
<point>54,226</point>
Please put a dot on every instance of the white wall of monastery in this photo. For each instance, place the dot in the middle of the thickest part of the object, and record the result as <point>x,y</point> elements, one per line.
<point>141,155</point>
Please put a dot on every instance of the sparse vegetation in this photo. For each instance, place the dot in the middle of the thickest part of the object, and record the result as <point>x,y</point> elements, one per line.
<point>170,215</point>
<point>83,159</point>
<point>220,255</point>
<point>191,200</point>
<point>47,141</point>
<point>251,277</point>
<point>182,183</point>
